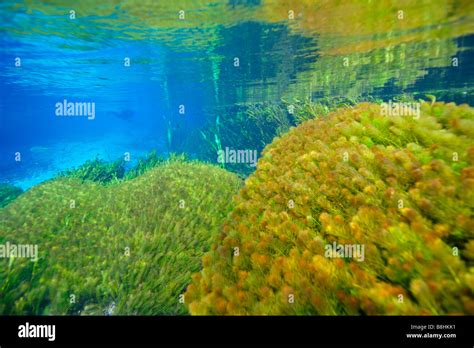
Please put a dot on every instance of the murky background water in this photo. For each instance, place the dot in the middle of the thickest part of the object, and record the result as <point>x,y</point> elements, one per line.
<point>222,59</point>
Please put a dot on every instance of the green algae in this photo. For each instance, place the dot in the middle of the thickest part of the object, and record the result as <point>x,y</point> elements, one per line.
<point>127,248</point>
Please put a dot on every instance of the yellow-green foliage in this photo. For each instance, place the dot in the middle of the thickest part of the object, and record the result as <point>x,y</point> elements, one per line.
<point>401,193</point>
<point>82,250</point>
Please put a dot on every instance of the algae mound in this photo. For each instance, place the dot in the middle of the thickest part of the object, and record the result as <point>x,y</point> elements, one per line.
<point>401,187</point>
<point>124,248</point>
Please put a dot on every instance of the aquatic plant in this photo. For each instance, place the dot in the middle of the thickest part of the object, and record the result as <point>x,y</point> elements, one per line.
<point>98,170</point>
<point>8,193</point>
<point>269,116</point>
<point>244,127</point>
<point>105,172</point>
<point>128,248</point>
<point>145,164</point>
<point>254,126</point>
<point>400,187</point>
<point>304,109</point>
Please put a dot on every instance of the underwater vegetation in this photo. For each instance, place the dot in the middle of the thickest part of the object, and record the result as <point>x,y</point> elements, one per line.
<point>125,238</point>
<point>151,161</point>
<point>129,247</point>
<point>305,109</point>
<point>253,126</point>
<point>247,127</point>
<point>402,187</point>
<point>8,193</point>
<point>99,170</point>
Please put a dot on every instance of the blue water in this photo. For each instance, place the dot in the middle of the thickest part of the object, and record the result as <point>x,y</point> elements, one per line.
<point>190,65</point>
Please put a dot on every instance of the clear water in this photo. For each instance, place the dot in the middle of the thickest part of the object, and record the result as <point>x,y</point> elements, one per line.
<point>346,49</point>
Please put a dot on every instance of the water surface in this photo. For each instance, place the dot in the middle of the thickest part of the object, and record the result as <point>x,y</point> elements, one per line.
<point>214,61</point>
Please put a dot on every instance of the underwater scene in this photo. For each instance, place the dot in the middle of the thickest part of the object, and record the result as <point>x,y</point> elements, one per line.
<point>236,157</point>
